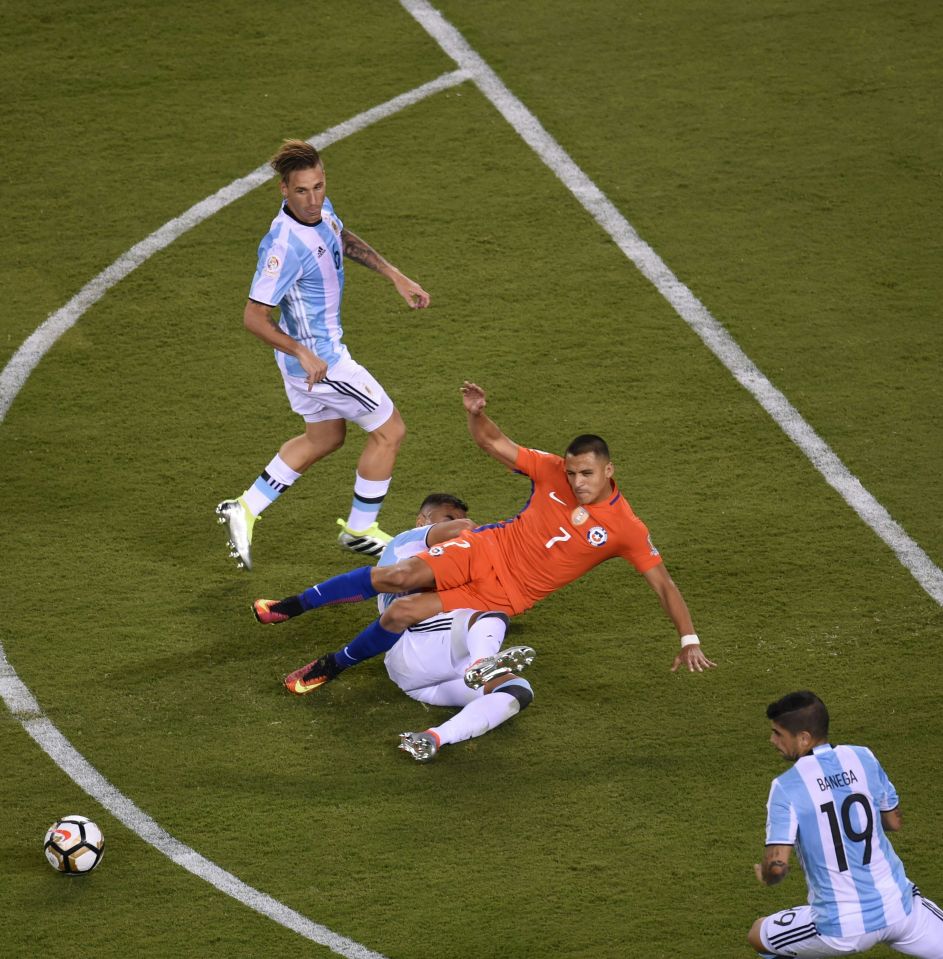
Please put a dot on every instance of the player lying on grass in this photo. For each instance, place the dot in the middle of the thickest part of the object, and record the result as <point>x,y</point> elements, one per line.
<point>456,660</point>
<point>453,659</point>
<point>834,805</point>
<point>575,519</point>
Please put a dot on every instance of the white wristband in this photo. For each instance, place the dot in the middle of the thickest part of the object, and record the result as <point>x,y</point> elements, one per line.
<point>690,640</point>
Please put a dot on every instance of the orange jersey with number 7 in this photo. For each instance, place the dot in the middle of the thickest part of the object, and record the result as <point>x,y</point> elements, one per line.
<point>553,540</point>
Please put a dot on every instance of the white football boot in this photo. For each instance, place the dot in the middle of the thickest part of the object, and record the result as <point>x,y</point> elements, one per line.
<point>239,519</point>
<point>421,746</point>
<point>513,659</point>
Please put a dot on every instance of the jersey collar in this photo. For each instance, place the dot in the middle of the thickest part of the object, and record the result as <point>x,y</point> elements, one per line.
<point>292,216</point>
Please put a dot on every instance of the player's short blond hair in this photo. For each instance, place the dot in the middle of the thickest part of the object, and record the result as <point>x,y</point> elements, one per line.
<point>294,155</point>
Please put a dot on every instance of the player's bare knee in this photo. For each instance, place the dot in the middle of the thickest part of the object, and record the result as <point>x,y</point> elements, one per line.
<point>391,434</point>
<point>753,936</point>
<point>396,427</point>
<point>400,433</point>
<point>514,686</point>
<point>317,448</point>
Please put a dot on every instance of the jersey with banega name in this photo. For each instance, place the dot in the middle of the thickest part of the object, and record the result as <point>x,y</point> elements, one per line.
<point>829,807</point>
<point>301,271</point>
<point>554,540</point>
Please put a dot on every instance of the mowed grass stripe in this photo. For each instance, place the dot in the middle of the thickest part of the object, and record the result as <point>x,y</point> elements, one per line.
<point>26,358</point>
<point>16,695</point>
<point>682,300</point>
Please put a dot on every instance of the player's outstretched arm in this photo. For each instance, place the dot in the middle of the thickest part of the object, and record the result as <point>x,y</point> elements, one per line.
<point>672,602</point>
<point>485,432</point>
<point>361,252</point>
<point>775,865</point>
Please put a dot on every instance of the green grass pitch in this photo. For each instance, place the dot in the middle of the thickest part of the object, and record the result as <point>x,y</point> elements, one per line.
<point>783,159</point>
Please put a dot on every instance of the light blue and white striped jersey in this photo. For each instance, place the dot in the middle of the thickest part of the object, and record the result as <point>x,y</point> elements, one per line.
<point>301,271</point>
<point>829,807</point>
<point>410,542</point>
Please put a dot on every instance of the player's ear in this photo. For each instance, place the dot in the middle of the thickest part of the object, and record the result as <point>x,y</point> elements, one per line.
<point>609,470</point>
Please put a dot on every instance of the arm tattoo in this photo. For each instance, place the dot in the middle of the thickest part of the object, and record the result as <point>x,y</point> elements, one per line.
<point>361,252</point>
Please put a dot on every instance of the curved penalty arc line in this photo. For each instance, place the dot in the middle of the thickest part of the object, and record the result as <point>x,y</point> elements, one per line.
<point>37,345</point>
<point>14,692</point>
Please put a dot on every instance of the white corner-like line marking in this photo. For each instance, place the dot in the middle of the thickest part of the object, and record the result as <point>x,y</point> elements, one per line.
<point>16,695</point>
<point>684,302</point>
<point>35,347</point>
<point>24,707</point>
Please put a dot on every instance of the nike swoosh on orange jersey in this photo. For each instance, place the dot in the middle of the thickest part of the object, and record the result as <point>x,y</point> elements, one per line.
<point>556,498</point>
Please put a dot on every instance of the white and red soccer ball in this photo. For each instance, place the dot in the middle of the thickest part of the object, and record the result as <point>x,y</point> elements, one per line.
<point>74,845</point>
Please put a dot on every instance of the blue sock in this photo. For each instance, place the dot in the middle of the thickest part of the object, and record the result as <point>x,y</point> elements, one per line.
<point>374,639</point>
<point>352,587</point>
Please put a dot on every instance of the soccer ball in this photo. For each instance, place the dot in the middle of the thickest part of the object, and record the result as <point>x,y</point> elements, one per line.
<point>74,845</point>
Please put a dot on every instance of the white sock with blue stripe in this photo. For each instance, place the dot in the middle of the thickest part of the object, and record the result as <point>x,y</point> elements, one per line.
<point>274,480</point>
<point>368,498</point>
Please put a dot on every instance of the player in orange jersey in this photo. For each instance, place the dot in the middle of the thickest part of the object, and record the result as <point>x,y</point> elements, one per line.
<point>575,519</point>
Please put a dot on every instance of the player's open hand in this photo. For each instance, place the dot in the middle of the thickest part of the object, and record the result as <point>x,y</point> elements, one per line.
<point>411,292</point>
<point>473,397</point>
<point>693,658</point>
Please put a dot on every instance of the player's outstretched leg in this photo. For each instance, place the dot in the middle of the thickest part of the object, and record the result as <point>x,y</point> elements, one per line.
<point>352,587</point>
<point>369,642</point>
<point>480,716</point>
<point>240,514</point>
<point>239,520</point>
<point>312,675</point>
<point>361,532</point>
<point>505,695</point>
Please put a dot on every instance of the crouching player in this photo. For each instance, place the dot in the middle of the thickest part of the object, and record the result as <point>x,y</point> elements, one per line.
<point>835,805</point>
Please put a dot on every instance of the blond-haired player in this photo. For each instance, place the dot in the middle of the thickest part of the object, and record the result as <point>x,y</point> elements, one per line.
<point>300,271</point>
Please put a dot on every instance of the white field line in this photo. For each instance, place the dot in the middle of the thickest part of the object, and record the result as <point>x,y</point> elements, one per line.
<point>22,704</point>
<point>26,358</point>
<point>684,302</point>
<point>16,695</point>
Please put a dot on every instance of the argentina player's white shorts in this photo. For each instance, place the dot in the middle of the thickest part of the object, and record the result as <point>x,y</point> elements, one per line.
<point>792,933</point>
<point>348,392</point>
<point>429,660</point>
